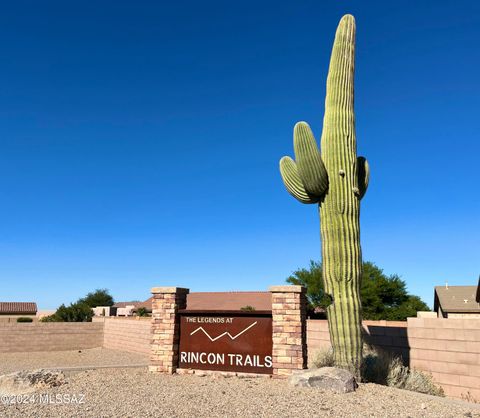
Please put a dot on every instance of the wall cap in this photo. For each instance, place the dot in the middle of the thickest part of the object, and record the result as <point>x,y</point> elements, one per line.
<point>169,290</point>
<point>287,289</point>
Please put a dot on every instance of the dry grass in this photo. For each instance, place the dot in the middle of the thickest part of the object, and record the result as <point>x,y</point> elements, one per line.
<point>323,358</point>
<point>385,369</point>
<point>469,398</point>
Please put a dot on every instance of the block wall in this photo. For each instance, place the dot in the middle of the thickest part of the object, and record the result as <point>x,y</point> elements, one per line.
<point>50,336</point>
<point>132,335</point>
<point>448,349</point>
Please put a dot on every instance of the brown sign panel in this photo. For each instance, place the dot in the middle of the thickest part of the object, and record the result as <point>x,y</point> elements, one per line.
<point>225,341</point>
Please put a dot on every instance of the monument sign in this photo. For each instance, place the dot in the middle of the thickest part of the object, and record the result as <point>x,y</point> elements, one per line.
<point>234,341</point>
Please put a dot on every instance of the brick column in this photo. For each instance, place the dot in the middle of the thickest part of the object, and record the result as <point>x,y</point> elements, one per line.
<point>289,305</point>
<point>166,328</point>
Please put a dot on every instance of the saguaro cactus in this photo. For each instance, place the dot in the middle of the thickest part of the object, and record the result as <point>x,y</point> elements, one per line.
<point>336,179</point>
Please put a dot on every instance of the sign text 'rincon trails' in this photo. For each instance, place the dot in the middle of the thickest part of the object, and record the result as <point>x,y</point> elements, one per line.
<point>227,343</point>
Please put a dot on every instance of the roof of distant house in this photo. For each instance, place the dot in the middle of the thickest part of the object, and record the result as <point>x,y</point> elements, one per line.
<point>17,308</point>
<point>125,304</point>
<point>223,301</point>
<point>461,299</point>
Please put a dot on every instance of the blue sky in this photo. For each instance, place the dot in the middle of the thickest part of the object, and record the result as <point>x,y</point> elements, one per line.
<point>139,142</point>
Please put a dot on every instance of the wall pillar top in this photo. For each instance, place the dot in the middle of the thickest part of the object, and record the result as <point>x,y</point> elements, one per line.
<point>169,290</point>
<point>287,289</point>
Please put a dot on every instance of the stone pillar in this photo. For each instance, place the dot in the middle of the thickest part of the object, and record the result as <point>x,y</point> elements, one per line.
<point>166,328</point>
<point>289,313</point>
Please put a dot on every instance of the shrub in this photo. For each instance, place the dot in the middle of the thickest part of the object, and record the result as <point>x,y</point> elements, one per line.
<point>142,311</point>
<point>81,310</point>
<point>49,318</point>
<point>24,319</point>
<point>376,366</point>
<point>397,373</point>
<point>385,369</point>
<point>247,308</point>
<point>323,358</point>
<point>418,381</point>
<point>75,312</point>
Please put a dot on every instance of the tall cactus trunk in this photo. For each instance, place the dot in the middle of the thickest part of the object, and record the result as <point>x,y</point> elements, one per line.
<point>340,209</point>
<point>341,255</point>
<point>336,179</point>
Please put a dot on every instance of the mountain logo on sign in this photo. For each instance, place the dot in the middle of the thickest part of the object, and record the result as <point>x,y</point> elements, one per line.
<point>225,333</point>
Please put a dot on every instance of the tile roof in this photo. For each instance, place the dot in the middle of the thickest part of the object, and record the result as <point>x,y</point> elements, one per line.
<point>461,299</point>
<point>18,308</point>
<point>223,301</point>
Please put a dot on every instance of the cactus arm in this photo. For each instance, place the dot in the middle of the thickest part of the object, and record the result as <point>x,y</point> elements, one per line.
<point>309,162</point>
<point>293,183</point>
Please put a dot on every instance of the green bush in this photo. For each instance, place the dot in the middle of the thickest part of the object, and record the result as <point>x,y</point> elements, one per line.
<point>81,310</point>
<point>247,308</point>
<point>49,318</point>
<point>142,312</point>
<point>75,312</point>
<point>24,319</point>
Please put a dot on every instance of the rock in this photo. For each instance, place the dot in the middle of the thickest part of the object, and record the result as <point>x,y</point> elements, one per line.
<point>30,381</point>
<point>200,373</point>
<point>330,378</point>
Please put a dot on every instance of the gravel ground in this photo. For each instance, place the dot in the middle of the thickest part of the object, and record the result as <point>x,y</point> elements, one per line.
<point>136,393</point>
<point>12,362</point>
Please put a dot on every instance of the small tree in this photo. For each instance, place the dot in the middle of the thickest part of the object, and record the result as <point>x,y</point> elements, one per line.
<point>311,279</point>
<point>81,311</point>
<point>383,297</point>
<point>75,312</point>
<point>100,297</point>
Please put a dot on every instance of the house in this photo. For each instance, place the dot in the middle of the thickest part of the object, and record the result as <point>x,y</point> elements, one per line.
<point>457,301</point>
<point>221,301</point>
<point>124,308</point>
<point>10,311</point>
<point>104,311</point>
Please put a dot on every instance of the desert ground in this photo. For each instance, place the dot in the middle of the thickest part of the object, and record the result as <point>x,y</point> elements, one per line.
<point>126,389</point>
